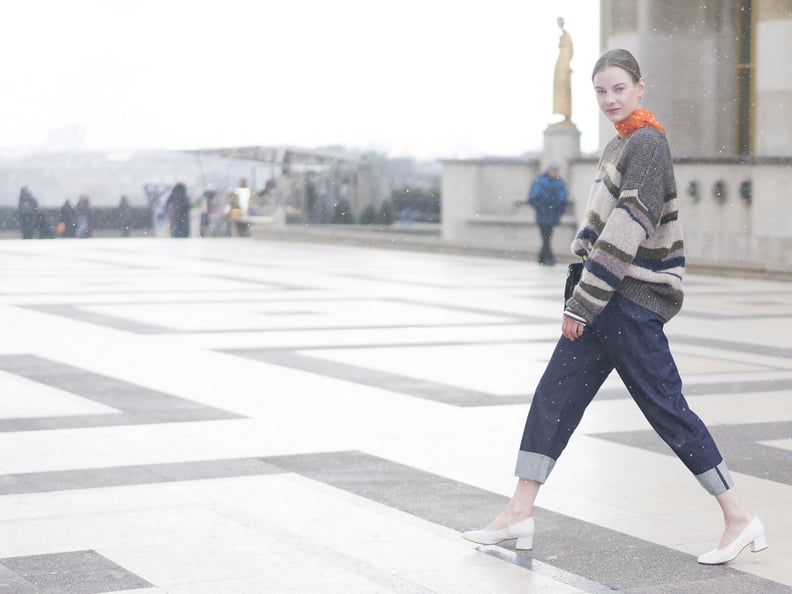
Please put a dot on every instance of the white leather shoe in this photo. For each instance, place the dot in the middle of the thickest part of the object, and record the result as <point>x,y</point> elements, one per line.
<point>753,535</point>
<point>523,531</point>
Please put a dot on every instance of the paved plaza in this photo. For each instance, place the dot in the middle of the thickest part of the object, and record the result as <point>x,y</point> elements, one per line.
<point>244,416</point>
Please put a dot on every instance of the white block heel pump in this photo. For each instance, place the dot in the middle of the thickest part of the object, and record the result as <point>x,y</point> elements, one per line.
<point>753,535</point>
<point>523,531</point>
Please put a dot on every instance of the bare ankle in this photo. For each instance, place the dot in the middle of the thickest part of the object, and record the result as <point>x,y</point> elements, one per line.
<point>517,512</point>
<point>740,517</point>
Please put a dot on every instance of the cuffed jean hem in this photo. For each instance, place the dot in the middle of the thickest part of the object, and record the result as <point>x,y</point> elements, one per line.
<point>533,466</point>
<point>716,480</point>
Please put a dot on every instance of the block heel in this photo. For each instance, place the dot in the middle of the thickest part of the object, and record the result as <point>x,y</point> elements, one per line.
<point>759,544</point>
<point>753,535</point>
<point>525,543</point>
<point>523,531</point>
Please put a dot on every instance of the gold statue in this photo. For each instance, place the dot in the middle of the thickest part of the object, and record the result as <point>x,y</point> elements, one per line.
<point>562,81</point>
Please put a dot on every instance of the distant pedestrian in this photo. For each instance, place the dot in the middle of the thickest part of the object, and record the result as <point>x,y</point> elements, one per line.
<point>178,208</point>
<point>124,216</point>
<point>26,213</point>
<point>548,196</point>
<point>84,217</point>
<point>43,225</point>
<point>67,220</point>
<point>209,210</point>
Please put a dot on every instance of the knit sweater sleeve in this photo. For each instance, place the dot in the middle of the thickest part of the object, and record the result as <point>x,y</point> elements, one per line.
<point>624,211</point>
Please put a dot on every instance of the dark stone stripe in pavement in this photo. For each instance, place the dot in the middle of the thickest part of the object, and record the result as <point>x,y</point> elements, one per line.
<point>736,387</point>
<point>136,404</point>
<point>597,554</point>
<point>403,384</point>
<point>704,315</point>
<point>77,572</point>
<point>454,395</point>
<point>737,443</point>
<point>268,283</point>
<point>74,312</point>
<point>125,476</point>
<point>113,420</point>
<point>503,284</point>
<point>482,311</point>
<point>731,345</point>
<point>546,570</point>
<point>578,553</point>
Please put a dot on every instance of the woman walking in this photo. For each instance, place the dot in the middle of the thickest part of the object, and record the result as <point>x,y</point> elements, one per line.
<point>631,240</point>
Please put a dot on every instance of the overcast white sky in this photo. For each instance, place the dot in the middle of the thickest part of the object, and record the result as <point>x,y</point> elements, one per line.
<point>426,78</point>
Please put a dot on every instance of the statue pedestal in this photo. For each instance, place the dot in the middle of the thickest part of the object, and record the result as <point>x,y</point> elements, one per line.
<point>561,145</point>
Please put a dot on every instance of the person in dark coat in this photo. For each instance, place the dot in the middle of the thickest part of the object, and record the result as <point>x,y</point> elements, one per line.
<point>44,228</point>
<point>124,216</point>
<point>67,220</point>
<point>26,213</point>
<point>548,196</point>
<point>178,207</point>
<point>84,217</point>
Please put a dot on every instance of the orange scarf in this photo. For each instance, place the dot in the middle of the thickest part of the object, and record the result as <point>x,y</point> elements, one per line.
<point>637,119</point>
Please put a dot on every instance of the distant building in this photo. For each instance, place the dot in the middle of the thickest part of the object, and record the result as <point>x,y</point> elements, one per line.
<point>313,180</point>
<point>310,181</point>
<point>104,177</point>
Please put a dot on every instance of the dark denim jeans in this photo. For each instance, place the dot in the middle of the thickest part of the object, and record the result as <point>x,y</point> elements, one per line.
<point>546,256</point>
<point>631,340</point>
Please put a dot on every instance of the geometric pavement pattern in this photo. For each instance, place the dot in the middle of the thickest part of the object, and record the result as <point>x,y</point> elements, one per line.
<point>234,415</point>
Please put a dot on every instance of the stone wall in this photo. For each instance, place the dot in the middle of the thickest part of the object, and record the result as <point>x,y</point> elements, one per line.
<point>482,188</point>
<point>484,204</point>
<point>736,229</point>
<point>734,212</point>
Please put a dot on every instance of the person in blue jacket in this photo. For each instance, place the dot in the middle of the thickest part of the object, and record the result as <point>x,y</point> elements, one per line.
<point>548,196</point>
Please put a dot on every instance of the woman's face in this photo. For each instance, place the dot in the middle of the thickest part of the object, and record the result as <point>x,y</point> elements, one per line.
<point>617,95</point>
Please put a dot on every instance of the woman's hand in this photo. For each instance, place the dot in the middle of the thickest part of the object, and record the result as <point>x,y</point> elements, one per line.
<point>570,328</point>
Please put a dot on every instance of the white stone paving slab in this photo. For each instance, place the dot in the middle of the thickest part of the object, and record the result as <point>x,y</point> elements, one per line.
<point>23,398</point>
<point>454,321</point>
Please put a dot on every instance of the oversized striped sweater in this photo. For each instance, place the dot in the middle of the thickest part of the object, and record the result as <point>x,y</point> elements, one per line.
<point>631,235</point>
